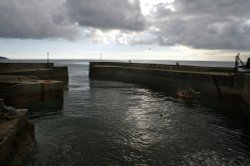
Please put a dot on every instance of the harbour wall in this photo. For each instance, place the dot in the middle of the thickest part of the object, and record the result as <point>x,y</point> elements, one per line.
<point>166,67</point>
<point>246,89</point>
<point>33,85</point>
<point>21,66</point>
<point>220,83</point>
<point>26,94</point>
<point>54,73</point>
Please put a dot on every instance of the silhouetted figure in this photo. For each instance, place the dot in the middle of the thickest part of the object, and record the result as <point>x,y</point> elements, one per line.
<point>237,60</point>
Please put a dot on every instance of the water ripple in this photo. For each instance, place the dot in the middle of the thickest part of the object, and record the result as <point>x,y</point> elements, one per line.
<point>114,123</point>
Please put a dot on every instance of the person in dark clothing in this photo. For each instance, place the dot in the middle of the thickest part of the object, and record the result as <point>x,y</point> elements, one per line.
<point>236,65</point>
<point>237,60</point>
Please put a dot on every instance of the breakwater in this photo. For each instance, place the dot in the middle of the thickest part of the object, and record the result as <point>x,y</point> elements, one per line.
<point>26,85</point>
<point>221,83</point>
<point>43,71</point>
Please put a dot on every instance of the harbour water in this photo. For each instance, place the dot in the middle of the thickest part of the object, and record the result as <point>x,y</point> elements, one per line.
<point>115,123</point>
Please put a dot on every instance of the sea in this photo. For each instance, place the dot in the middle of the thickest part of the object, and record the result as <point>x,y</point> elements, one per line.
<point>108,123</point>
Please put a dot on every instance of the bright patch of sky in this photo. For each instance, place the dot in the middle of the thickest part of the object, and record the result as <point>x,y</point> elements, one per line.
<point>148,5</point>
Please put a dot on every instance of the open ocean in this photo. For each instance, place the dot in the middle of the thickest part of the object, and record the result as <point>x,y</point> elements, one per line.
<point>115,123</point>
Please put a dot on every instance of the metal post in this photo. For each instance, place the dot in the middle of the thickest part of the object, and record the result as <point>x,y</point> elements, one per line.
<point>47,57</point>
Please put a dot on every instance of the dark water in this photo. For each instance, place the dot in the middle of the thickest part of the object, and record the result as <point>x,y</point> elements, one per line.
<point>114,123</point>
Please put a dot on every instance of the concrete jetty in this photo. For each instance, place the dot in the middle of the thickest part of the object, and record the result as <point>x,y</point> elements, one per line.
<point>221,83</point>
<point>42,71</point>
<point>26,85</point>
<point>16,135</point>
<point>25,92</point>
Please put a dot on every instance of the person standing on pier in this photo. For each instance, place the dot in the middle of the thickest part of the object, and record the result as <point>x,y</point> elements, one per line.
<point>237,60</point>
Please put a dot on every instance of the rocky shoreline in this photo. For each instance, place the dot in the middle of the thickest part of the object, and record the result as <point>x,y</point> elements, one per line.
<point>17,136</point>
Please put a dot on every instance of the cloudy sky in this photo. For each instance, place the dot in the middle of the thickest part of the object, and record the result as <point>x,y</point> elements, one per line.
<point>125,29</point>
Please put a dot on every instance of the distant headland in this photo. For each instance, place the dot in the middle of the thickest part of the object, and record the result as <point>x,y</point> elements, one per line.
<point>3,58</point>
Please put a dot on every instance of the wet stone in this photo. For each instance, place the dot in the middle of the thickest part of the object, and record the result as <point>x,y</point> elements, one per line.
<point>16,137</point>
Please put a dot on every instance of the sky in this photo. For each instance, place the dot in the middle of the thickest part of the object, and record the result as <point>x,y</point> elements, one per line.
<point>125,29</point>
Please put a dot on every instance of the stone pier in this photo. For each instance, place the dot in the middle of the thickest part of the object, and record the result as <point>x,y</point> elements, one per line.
<point>33,85</point>
<point>25,92</point>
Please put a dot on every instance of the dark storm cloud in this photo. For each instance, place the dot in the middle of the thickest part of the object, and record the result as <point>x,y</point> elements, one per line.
<point>109,14</point>
<point>37,19</point>
<point>209,24</point>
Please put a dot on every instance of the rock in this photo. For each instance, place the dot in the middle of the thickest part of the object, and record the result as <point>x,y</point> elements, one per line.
<point>16,139</point>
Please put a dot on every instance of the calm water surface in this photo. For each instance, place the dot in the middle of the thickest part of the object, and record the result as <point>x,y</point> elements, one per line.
<point>114,123</point>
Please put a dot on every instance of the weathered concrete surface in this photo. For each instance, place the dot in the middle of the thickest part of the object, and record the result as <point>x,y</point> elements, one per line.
<point>52,73</point>
<point>16,140</point>
<point>217,82</point>
<point>167,67</point>
<point>21,66</point>
<point>27,91</point>
<point>246,89</point>
<point>33,85</point>
<point>14,79</point>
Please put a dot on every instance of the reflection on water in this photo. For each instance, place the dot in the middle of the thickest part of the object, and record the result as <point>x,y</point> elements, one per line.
<point>114,123</point>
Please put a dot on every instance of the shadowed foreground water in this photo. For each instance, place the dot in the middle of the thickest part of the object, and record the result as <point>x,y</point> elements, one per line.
<point>113,123</point>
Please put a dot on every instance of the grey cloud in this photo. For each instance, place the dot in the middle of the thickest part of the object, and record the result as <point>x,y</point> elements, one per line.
<point>161,10</point>
<point>41,19</point>
<point>111,14</point>
<point>209,24</point>
<point>35,19</point>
